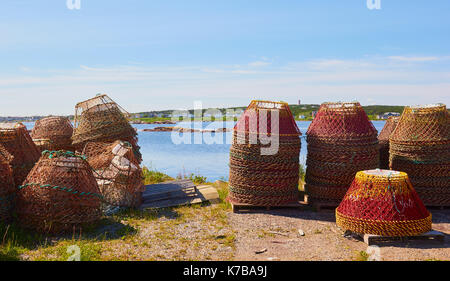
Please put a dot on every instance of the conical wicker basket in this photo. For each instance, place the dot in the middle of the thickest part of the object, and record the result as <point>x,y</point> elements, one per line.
<point>117,172</point>
<point>420,146</point>
<point>7,188</point>
<point>341,141</point>
<point>383,140</point>
<point>100,119</point>
<point>383,202</point>
<point>60,194</point>
<point>17,141</point>
<point>259,178</point>
<point>53,133</point>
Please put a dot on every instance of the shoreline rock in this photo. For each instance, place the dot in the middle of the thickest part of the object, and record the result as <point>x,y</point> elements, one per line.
<point>185,130</point>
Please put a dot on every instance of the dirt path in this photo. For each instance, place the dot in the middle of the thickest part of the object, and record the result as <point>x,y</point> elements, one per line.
<point>276,232</point>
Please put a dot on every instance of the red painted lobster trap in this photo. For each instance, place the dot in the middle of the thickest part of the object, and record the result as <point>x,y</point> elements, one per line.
<point>261,174</point>
<point>341,141</point>
<point>383,202</point>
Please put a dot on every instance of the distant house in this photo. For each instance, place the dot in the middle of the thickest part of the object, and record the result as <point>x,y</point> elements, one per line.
<point>386,115</point>
<point>301,116</point>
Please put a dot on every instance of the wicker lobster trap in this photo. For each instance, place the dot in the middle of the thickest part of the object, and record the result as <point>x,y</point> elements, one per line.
<point>420,146</point>
<point>17,141</point>
<point>117,172</point>
<point>383,140</point>
<point>7,188</point>
<point>100,119</point>
<point>53,133</point>
<point>341,141</point>
<point>383,202</point>
<point>259,177</point>
<point>60,194</point>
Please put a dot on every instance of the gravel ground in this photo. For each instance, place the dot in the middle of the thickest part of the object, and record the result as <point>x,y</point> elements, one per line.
<point>275,233</point>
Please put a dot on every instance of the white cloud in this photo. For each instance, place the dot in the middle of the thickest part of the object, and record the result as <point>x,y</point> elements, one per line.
<point>138,88</point>
<point>413,59</point>
<point>259,63</point>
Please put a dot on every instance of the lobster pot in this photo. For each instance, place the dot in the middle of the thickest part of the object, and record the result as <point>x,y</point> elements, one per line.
<point>264,156</point>
<point>420,146</point>
<point>17,141</point>
<point>7,188</point>
<point>341,141</point>
<point>53,133</point>
<point>100,119</point>
<point>383,202</point>
<point>383,140</point>
<point>117,172</point>
<point>60,194</point>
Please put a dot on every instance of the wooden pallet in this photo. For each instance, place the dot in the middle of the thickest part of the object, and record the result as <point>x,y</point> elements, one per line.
<point>323,205</point>
<point>371,239</point>
<point>236,208</point>
<point>438,207</point>
<point>176,193</point>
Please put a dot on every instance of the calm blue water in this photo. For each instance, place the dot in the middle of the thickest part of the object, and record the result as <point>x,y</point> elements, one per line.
<point>210,160</point>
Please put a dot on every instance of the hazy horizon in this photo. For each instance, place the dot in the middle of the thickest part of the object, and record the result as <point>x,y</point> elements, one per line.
<point>161,55</point>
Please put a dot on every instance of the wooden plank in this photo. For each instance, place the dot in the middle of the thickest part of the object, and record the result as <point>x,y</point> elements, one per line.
<point>370,239</point>
<point>167,187</point>
<point>168,192</point>
<point>236,207</point>
<point>205,193</point>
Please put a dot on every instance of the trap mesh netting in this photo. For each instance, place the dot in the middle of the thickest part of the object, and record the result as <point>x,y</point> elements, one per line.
<point>341,141</point>
<point>117,172</point>
<point>53,133</point>
<point>383,202</point>
<point>420,146</point>
<point>17,141</point>
<point>7,188</point>
<point>100,119</point>
<point>256,178</point>
<point>383,140</point>
<point>60,194</point>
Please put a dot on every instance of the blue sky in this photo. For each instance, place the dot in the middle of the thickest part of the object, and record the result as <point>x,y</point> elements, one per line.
<point>150,55</point>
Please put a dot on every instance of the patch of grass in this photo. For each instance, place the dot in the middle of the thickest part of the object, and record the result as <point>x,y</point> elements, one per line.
<point>301,172</point>
<point>16,240</point>
<point>88,250</point>
<point>152,176</point>
<point>197,179</point>
<point>362,256</point>
<point>222,189</point>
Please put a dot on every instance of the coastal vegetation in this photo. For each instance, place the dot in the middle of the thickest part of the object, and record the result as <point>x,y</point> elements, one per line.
<point>302,112</point>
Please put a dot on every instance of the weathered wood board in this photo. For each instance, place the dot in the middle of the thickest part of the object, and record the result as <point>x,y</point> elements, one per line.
<point>370,239</point>
<point>177,193</point>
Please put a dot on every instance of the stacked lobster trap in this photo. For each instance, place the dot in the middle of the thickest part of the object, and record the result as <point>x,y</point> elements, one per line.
<point>341,141</point>
<point>53,133</point>
<point>17,141</point>
<point>264,156</point>
<point>420,146</point>
<point>383,140</point>
<point>7,188</point>
<point>383,202</point>
<point>100,119</point>
<point>117,172</point>
<point>60,194</point>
